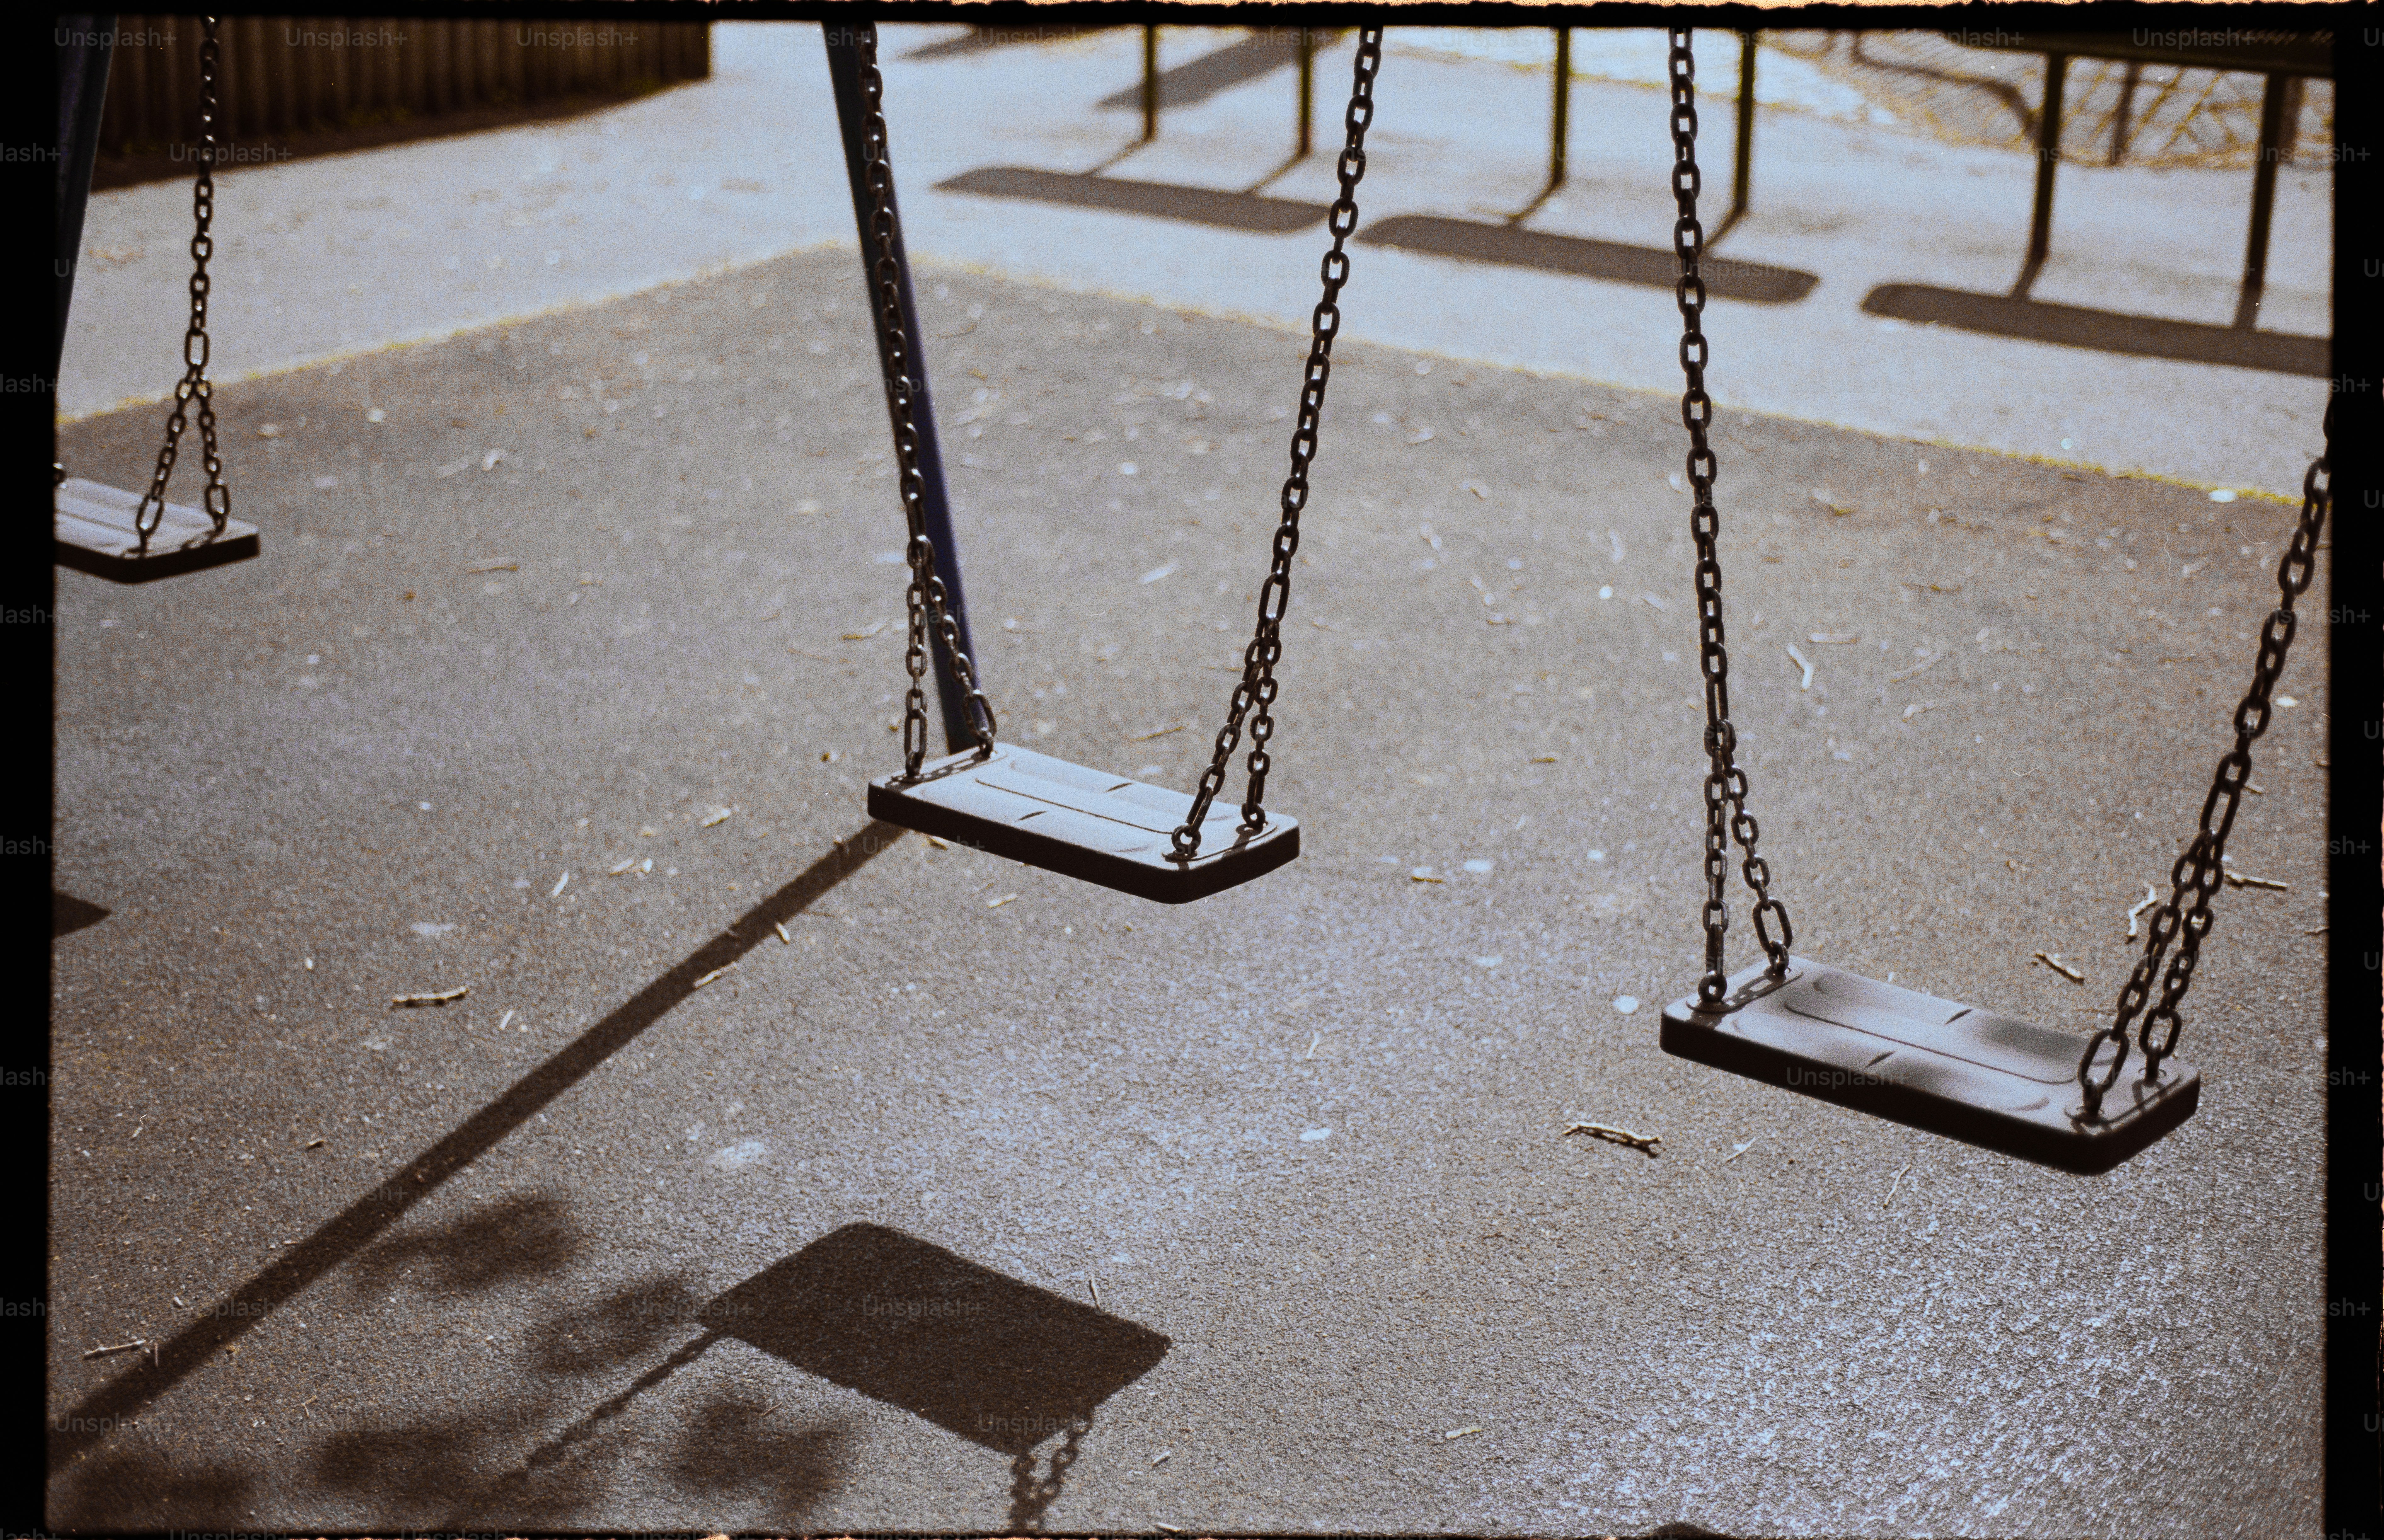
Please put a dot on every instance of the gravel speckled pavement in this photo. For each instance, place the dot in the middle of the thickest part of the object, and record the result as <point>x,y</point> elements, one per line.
<point>595,580</point>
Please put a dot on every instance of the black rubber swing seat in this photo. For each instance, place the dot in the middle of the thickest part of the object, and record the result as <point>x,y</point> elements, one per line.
<point>1083,823</point>
<point>94,532</point>
<point>2001,1083</point>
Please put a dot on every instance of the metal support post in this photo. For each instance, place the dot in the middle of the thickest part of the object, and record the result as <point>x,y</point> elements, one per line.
<point>2263,201</point>
<point>851,113</point>
<point>2048,157</point>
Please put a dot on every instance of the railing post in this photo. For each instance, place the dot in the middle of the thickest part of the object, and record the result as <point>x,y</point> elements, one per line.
<point>2263,203</point>
<point>1560,112</point>
<point>1307,45</point>
<point>2048,157</point>
<point>1150,84</point>
<point>851,113</point>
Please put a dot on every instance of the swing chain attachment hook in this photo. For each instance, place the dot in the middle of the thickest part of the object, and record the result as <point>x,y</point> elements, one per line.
<point>1725,783</point>
<point>1258,686</point>
<point>2199,873</point>
<point>926,595</point>
<point>194,384</point>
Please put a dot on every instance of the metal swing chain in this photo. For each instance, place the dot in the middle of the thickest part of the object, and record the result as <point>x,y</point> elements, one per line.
<point>193,383</point>
<point>1258,682</point>
<point>1725,783</point>
<point>2199,873</point>
<point>925,594</point>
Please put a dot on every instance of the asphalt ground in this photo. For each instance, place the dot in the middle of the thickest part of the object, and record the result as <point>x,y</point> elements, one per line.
<point>1283,1173</point>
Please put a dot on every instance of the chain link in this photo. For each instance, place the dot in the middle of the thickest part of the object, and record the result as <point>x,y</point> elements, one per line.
<point>1725,783</point>
<point>2199,873</point>
<point>194,384</point>
<point>925,594</point>
<point>1257,687</point>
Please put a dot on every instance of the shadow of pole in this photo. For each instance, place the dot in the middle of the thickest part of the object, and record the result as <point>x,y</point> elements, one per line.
<point>338,1241</point>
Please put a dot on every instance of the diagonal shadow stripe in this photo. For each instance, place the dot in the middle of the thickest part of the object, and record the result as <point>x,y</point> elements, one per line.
<point>350,1231</point>
<point>1200,78</point>
<point>1655,267</point>
<point>1202,205</point>
<point>2104,330</point>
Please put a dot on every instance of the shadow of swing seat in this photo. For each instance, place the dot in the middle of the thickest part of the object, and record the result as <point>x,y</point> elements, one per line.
<point>2103,330</point>
<point>1993,1081</point>
<point>1199,206</point>
<point>1582,256</point>
<point>1002,1363</point>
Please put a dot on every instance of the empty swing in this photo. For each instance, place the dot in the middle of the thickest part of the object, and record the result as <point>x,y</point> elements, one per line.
<point>131,537</point>
<point>1147,841</point>
<point>1951,1069</point>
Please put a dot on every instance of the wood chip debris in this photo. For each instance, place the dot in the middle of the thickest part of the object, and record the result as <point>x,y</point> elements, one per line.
<point>2150,899</point>
<point>1169,1528</point>
<point>1934,587</point>
<point>1653,600</point>
<point>440,997</point>
<point>1835,638</point>
<point>476,569</point>
<point>1616,1136</point>
<point>1803,662</point>
<point>1155,732</point>
<point>1892,1186</point>
<point>1916,708</point>
<point>506,1020</point>
<point>1747,1146</point>
<point>312,1144</point>
<point>1461,1432</point>
<point>560,884</point>
<point>624,863</point>
<point>2236,879</point>
<point>713,974</point>
<point>780,927</point>
<point>938,841</point>
<point>1923,667</point>
<point>1544,759</point>
<point>1313,1038</point>
<point>1158,1461</point>
<point>720,818</point>
<point>132,1346</point>
<point>2064,969</point>
<point>1829,499</point>
<point>996,903</point>
<point>864,636</point>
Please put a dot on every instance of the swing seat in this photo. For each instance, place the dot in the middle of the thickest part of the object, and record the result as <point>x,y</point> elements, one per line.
<point>94,532</point>
<point>1085,824</point>
<point>1987,1080</point>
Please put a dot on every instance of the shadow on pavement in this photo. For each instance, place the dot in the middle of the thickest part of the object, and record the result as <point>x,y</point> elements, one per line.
<point>986,40</point>
<point>1653,267</point>
<point>69,914</point>
<point>524,1236</point>
<point>343,1237</point>
<point>1199,205</point>
<point>2104,330</point>
<point>128,1491</point>
<point>1002,1363</point>
<point>1188,84</point>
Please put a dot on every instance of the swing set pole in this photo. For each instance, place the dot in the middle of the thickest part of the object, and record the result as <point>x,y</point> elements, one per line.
<point>851,115</point>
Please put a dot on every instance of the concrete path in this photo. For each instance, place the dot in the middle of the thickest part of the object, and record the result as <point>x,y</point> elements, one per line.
<point>1277,1184</point>
<point>328,258</point>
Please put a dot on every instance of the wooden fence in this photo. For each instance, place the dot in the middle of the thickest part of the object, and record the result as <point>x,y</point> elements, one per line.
<point>290,75</point>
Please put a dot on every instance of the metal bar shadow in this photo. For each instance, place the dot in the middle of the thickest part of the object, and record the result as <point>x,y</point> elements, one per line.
<point>1654,266</point>
<point>339,1240</point>
<point>2104,330</point>
<point>1200,78</point>
<point>1199,205</point>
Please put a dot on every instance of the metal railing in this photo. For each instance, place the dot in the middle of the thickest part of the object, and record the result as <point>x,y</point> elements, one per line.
<point>288,75</point>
